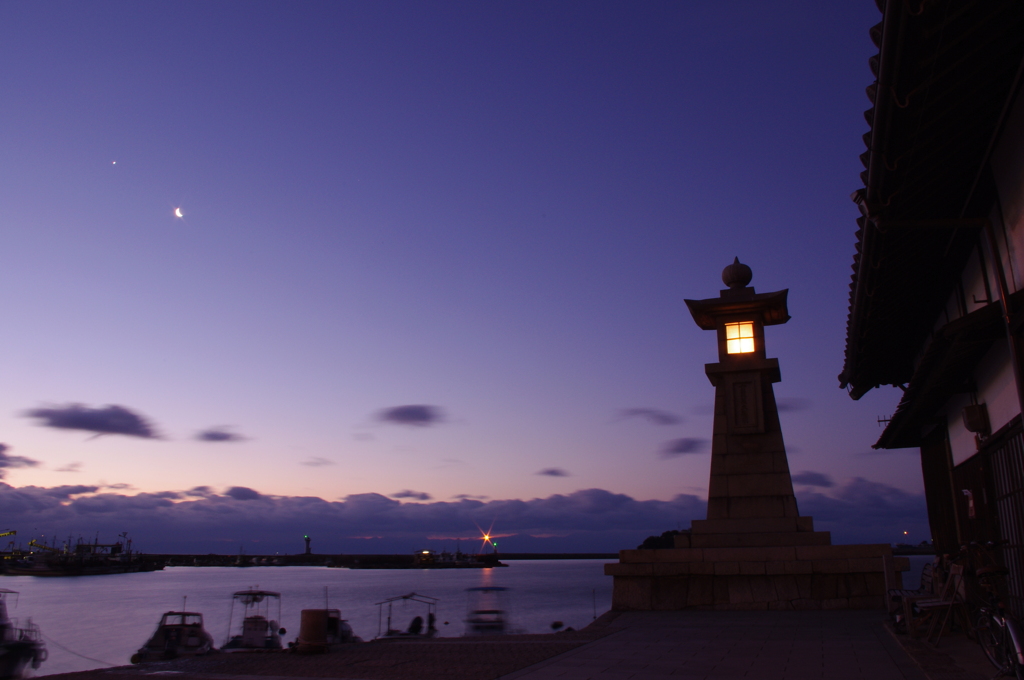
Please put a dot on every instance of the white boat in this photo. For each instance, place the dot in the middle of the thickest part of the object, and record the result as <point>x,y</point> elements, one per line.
<point>19,647</point>
<point>418,627</point>
<point>487,613</point>
<point>257,630</point>
<point>177,634</point>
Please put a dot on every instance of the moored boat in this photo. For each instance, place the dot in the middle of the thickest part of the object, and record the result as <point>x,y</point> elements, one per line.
<point>430,559</point>
<point>84,559</point>
<point>486,611</point>
<point>177,634</point>
<point>19,647</point>
<point>257,629</point>
<point>322,629</point>
<point>419,628</point>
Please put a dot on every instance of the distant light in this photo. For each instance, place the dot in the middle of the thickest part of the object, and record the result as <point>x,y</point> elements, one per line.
<point>426,552</point>
<point>113,163</point>
<point>178,213</point>
<point>904,533</point>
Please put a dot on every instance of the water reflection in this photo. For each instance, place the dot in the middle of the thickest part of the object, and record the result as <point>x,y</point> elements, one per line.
<point>91,621</point>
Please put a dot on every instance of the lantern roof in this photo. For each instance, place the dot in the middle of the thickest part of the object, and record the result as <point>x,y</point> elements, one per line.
<point>768,308</point>
<point>740,299</point>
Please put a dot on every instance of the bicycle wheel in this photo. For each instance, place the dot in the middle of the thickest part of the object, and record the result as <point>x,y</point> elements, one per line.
<point>990,636</point>
<point>1014,641</point>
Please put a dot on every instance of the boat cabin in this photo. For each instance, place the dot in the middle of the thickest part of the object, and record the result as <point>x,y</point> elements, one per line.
<point>257,630</point>
<point>487,611</point>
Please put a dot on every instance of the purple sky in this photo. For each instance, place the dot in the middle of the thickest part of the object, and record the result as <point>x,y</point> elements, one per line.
<point>428,251</point>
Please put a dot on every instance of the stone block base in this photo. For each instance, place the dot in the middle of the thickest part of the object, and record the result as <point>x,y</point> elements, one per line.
<point>777,577</point>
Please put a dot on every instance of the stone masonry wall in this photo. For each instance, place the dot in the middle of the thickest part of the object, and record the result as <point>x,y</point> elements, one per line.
<point>787,577</point>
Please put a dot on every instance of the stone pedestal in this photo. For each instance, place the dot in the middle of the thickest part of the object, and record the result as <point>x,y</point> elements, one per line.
<point>754,550</point>
<point>774,577</point>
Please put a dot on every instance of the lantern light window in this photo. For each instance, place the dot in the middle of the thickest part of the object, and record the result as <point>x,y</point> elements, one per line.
<point>739,337</point>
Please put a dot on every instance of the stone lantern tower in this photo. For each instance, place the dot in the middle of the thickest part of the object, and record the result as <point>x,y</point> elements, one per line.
<point>750,496</point>
<point>754,550</point>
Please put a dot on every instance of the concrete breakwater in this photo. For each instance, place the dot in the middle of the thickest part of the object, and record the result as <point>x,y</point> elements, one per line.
<point>348,560</point>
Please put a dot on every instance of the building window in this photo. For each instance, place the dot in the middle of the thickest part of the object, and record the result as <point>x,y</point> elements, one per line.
<point>739,337</point>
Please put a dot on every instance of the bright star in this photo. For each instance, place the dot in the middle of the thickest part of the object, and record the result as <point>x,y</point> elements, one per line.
<point>178,213</point>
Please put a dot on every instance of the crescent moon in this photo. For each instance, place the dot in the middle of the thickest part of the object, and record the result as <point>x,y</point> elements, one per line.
<point>178,213</point>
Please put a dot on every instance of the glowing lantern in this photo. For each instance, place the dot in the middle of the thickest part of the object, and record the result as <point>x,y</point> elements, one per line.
<point>739,337</point>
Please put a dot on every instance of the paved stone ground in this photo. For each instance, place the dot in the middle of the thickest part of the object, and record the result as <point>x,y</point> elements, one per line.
<point>780,645</point>
<point>688,645</point>
<point>480,658</point>
<point>954,658</point>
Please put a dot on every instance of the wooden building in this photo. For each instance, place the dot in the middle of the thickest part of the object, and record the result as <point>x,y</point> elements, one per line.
<point>937,293</point>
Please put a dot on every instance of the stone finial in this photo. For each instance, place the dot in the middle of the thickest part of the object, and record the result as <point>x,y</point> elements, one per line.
<point>737,275</point>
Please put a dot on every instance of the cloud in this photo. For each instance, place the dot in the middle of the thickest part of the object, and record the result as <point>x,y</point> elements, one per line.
<point>7,462</point>
<point>552,472</point>
<point>414,495</point>
<point>808,478</point>
<point>243,493</point>
<point>70,467</point>
<point>119,486</point>
<point>656,416</point>
<point>461,496</point>
<point>792,404</point>
<point>317,461</point>
<point>418,415</point>
<point>199,492</point>
<point>588,520</point>
<point>106,420</point>
<point>218,434</point>
<point>862,511</point>
<point>685,445</point>
<point>67,491</point>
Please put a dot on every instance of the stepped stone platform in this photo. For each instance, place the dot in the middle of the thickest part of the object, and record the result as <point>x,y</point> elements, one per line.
<point>762,577</point>
<point>754,550</point>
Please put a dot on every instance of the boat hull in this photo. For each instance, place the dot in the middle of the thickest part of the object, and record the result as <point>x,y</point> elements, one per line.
<point>17,656</point>
<point>179,634</point>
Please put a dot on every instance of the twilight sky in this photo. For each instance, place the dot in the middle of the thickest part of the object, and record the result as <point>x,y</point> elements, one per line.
<point>434,252</point>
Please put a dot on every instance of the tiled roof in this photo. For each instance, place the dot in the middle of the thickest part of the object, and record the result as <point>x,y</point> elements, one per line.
<point>945,74</point>
<point>945,369</point>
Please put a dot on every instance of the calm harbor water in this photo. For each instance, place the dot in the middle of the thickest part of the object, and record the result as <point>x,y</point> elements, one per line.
<point>912,578</point>
<point>107,618</point>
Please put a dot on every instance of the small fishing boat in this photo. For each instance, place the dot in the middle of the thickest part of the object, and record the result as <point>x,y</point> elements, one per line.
<point>82,559</point>
<point>486,612</point>
<point>177,634</point>
<point>322,629</point>
<point>258,630</point>
<point>416,629</point>
<point>19,647</point>
<point>430,559</point>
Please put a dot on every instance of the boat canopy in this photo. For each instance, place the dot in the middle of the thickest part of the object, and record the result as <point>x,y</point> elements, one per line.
<point>414,597</point>
<point>251,596</point>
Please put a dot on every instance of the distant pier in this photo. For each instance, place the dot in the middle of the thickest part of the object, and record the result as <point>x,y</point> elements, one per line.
<point>347,560</point>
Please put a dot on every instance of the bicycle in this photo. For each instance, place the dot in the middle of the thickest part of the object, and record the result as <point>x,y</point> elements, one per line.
<point>1000,635</point>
